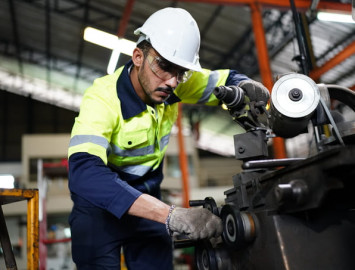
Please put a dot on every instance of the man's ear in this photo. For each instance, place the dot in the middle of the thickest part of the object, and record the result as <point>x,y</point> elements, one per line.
<point>137,57</point>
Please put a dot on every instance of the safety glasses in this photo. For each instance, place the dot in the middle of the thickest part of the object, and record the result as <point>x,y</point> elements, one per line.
<point>166,70</point>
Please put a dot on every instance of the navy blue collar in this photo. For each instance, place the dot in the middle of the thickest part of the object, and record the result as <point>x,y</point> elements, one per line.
<point>131,104</point>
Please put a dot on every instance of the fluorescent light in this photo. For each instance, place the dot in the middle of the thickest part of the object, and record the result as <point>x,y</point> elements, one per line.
<point>7,181</point>
<point>109,41</point>
<point>112,42</point>
<point>100,38</point>
<point>126,46</point>
<point>113,61</point>
<point>335,17</point>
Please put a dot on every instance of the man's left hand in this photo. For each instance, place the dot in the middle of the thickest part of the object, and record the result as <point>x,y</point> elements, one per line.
<point>256,91</point>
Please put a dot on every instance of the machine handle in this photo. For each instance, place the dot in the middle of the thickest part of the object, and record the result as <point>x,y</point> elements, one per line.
<point>184,243</point>
<point>197,202</point>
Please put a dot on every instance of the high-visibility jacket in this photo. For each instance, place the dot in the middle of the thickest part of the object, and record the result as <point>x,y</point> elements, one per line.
<point>121,132</point>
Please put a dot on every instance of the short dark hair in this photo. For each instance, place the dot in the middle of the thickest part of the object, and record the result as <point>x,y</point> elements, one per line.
<point>145,46</point>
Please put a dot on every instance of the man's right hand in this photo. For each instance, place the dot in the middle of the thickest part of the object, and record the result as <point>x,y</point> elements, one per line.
<point>196,223</point>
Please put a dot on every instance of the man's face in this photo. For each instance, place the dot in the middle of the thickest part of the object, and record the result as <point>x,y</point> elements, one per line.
<point>158,77</point>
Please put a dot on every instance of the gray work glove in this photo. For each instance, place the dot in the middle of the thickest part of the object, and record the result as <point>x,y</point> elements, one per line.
<point>256,91</point>
<point>196,223</point>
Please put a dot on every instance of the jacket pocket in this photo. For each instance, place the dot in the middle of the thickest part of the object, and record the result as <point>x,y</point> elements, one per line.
<point>134,139</point>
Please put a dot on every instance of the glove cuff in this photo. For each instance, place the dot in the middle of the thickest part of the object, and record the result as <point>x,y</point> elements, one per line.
<point>167,221</point>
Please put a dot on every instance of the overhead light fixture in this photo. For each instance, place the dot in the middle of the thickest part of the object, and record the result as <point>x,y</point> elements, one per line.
<point>7,181</point>
<point>335,17</point>
<point>109,41</point>
<point>112,42</point>
<point>115,55</point>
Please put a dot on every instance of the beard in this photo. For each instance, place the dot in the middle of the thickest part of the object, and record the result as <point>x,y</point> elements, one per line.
<point>145,82</point>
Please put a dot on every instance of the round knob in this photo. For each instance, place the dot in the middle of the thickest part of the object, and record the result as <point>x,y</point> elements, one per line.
<point>238,227</point>
<point>293,192</point>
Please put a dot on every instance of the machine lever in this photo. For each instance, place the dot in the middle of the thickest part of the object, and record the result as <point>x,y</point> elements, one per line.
<point>197,202</point>
<point>184,243</point>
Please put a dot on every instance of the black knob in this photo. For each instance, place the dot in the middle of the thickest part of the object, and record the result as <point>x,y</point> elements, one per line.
<point>295,94</point>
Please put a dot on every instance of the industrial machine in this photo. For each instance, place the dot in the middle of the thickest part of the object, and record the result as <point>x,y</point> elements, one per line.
<point>293,213</point>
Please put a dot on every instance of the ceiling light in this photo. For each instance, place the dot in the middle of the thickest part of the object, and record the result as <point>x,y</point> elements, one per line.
<point>7,181</point>
<point>109,41</point>
<point>125,46</point>
<point>335,17</point>
<point>115,55</point>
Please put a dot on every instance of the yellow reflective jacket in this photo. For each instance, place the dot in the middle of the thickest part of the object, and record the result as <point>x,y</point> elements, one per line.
<point>128,135</point>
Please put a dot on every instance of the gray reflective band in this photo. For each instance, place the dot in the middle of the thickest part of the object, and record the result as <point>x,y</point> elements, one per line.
<point>164,141</point>
<point>114,149</point>
<point>212,81</point>
<point>138,170</point>
<point>148,150</point>
<point>133,152</point>
<point>80,139</point>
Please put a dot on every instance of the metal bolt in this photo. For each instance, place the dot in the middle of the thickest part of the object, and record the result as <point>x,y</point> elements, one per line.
<point>295,94</point>
<point>295,192</point>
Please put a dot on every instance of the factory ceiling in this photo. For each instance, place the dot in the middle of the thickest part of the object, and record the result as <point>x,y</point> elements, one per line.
<point>43,53</point>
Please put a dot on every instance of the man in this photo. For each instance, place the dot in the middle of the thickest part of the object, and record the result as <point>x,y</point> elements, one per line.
<point>118,144</point>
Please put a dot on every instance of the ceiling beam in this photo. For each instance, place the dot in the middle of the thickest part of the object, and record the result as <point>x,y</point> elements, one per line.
<point>261,46</point>
<point>336,46</point>
<point>217,11</point>
<point>48,40</point>
<point>346,75</point>
<point>100,14</point>
<point>264,66</point>
<point>340,57</point>
<point>16,34</point>
<point>255,68</point>
<point>61,64</point>
<point>79,60</point>
<point>300,4</point>
<point>125,18</point>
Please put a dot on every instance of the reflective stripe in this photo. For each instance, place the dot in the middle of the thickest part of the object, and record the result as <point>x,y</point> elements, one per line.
<point>80,139</point>
<point>140,151</point>
<point>212,80</point>
<point>138,170</point>
<point>164,141</point>
<point>133,152</point>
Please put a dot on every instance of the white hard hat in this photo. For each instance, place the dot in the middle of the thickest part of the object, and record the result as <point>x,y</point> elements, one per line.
<point>174,34</point>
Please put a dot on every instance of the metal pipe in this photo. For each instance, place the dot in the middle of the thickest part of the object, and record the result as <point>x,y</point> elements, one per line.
<point>125,18</point>
<point>300,39</point>
<point>33,231</point>
<point>261,46</point>
<point>6,244</point>
<point>264,65</point>
<point>301,4</point>
<point>340,57</point>
<point>183,161</point>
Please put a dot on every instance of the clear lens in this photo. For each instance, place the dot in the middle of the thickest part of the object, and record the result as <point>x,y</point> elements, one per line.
<point>187,75</point>
<point>165,70</point>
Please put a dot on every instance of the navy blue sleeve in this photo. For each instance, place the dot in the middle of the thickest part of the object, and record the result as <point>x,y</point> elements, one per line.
<point>234,78</point>
<point>93,181</point>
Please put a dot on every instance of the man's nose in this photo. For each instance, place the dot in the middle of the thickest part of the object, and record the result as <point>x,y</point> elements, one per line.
<point>172,82</point>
